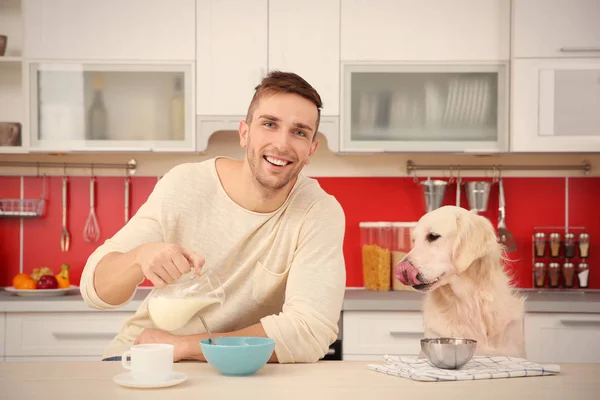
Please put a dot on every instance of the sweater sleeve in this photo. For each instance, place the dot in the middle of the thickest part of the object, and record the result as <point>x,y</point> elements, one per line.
<point>308,323</point>
<point>149,224</point>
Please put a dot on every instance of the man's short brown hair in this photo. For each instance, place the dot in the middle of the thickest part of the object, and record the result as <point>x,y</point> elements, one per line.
<point>285,82</point>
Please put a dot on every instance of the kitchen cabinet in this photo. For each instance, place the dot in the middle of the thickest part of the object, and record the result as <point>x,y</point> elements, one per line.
<point>120,106</point>
<point>446,107</point>
<point>535,33</point>
<point>554,105</point>
<point>61,335</point>
<point>562,338</point>
<point>369,335</point>
<point>133,30</point>
<point>310,49</point>
<point>425,30</point>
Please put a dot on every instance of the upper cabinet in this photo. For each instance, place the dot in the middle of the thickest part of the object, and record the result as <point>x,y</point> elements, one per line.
<point>556,28</point>
<point>425,30</point>
<point>304,37</point>
<point>231,55</point>
<point>141,30</point>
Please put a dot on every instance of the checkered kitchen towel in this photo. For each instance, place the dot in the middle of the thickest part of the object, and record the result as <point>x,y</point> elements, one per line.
<point>478,368</point>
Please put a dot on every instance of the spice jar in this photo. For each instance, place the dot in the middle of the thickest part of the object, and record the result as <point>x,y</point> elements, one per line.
<point>539,241</point>
<point>401,245</point>
<point>583,274</point>
<point>539,274</point>
<point>568,274</point>
<point>554,244</point>
<point>584,245</point>
<point>569,245</point>
<point>554,274</point>
<point>376,257</point>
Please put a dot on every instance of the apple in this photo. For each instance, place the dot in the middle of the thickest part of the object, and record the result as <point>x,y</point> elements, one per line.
<point>47,282</point>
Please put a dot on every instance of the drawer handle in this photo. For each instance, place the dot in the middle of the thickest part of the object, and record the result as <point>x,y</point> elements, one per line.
<point>83,335</point>
<point>581,322</point>
<point>579,49</point>
<point>405,333</point>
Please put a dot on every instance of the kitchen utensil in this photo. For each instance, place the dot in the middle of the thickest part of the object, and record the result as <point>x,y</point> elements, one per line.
<point>238,355</point>
<point>126,199</point>
<point>212,340</point>
<point>458,185</point>
<point>506,238</point>
<point>65,238</point>
<point>478,194</point>
<point>448,353</point>
<point>433,191</point>
<point>91,231</point>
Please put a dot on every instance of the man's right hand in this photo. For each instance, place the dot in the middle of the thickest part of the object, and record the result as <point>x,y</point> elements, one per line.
<point>164,263</point>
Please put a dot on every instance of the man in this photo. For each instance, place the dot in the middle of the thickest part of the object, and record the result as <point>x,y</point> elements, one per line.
<point>272,235</point>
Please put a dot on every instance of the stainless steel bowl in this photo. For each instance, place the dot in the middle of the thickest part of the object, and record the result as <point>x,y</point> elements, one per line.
<point>448,353</point>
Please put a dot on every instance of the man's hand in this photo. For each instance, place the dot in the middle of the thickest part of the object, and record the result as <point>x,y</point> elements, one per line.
<point>164,263</point>
<point>179,343</point>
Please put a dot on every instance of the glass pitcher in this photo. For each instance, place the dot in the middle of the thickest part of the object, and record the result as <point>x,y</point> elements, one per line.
<point>173,306</point>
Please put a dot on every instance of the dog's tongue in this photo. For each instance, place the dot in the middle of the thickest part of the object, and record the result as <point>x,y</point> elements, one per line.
<point>406,273</point>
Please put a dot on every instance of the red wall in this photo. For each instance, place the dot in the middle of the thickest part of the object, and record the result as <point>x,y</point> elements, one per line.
<point>529,202</point>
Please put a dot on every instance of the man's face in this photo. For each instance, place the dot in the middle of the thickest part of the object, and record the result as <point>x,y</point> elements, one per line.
<point>279,140</point>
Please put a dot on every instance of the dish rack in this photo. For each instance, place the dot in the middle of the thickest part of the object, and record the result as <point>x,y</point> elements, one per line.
<point>24,208</point>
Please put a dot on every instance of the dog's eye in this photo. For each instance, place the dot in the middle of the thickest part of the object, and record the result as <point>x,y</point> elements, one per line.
<point>431,237</point>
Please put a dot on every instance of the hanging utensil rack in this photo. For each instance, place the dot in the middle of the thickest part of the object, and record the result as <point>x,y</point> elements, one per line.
<point>585,167</point>
<point>36,208</point>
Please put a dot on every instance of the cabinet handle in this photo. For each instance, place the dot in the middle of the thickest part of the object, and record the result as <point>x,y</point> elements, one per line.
<point>404,333</point>
<point>580,322</point>
<point>83,335</point>
<point>579,49</point>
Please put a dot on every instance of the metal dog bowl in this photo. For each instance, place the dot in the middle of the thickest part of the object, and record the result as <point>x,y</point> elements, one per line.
<point>448,353</point>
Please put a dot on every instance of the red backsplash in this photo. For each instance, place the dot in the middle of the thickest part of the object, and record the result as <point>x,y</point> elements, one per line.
<point>529,202</point>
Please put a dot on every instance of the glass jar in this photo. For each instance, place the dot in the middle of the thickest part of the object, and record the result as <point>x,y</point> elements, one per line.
<point>376,240</point>
<point>554,275</point>
<point>584,245</point>
<point>568,274</point>
<point>539,274</point>
<point>173,306</point>
<point>583,275</point>
<point>555,245</point>
<point>401,245</point>
<point>539,241</point>
<point>569,245</point>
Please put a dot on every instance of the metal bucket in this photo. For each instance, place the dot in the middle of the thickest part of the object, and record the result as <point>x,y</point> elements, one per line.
<point>433,191</point>
<point>478,194</point>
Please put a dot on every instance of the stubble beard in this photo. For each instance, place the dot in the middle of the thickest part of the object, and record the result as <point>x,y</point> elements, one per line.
<point>270,186</point>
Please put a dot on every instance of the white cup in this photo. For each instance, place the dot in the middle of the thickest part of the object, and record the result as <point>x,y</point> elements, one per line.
<point>149,362</point>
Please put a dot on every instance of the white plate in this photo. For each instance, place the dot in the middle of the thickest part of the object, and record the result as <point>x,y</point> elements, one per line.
<point>40,292</point>
<point>125,379</point>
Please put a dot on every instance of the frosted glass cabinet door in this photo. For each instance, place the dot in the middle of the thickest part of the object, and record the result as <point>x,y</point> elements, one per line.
<point>79,106</point>
<point>424,108</point>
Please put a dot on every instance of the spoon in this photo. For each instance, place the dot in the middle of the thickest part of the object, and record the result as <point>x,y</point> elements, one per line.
<point>212,340</point>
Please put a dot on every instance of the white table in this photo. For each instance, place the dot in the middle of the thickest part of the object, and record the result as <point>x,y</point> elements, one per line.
<point>323,380</point>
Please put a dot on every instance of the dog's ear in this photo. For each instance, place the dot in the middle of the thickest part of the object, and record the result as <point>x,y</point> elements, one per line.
<point>475,238</point>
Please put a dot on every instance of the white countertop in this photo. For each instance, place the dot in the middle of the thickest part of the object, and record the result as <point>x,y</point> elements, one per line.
<point>355,300</point>
<point>323,380</point>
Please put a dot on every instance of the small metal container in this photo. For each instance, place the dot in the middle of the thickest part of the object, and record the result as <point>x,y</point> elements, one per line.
<point>539,242</point>
<point>448,353</point>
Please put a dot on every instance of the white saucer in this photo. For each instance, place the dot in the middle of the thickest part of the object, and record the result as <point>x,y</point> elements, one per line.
<point>125,379</point>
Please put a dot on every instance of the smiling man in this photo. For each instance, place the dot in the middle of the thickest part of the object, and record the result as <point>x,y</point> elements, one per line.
<point>273,236</point>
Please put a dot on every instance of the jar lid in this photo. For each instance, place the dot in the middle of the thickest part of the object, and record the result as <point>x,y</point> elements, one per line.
<point>569,235</point>
<point>539,265</point>
<point>555,235</point>
<point>582,265</point>
<point>584,236</point>
<point>554,265</point>
<point>404,224</point>
<point>568,265</point>
<point>375,224</point>
<point>540,235</point>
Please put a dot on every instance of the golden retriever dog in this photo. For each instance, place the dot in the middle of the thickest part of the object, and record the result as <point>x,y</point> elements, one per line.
<point>457,260</point>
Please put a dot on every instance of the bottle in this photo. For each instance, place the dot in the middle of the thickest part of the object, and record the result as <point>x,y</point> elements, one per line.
<point>177,120</point>
<point>97,129</point>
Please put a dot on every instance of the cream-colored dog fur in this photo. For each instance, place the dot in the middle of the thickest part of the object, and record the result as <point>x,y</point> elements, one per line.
<point>458,262</point>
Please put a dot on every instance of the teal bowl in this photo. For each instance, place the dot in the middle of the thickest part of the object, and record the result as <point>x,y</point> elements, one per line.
<point>238,355</point>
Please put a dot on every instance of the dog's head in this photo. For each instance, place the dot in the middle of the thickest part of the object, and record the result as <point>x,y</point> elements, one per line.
<point>446,242</point>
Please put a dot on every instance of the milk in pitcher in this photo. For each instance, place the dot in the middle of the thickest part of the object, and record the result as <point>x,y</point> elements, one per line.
<point>171,313</point>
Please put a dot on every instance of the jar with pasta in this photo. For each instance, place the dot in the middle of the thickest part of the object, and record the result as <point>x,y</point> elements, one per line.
<point>376,254</point>
<point>401,245</point>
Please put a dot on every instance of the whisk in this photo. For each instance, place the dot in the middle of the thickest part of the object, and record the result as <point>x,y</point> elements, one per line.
<point>91,231</point>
